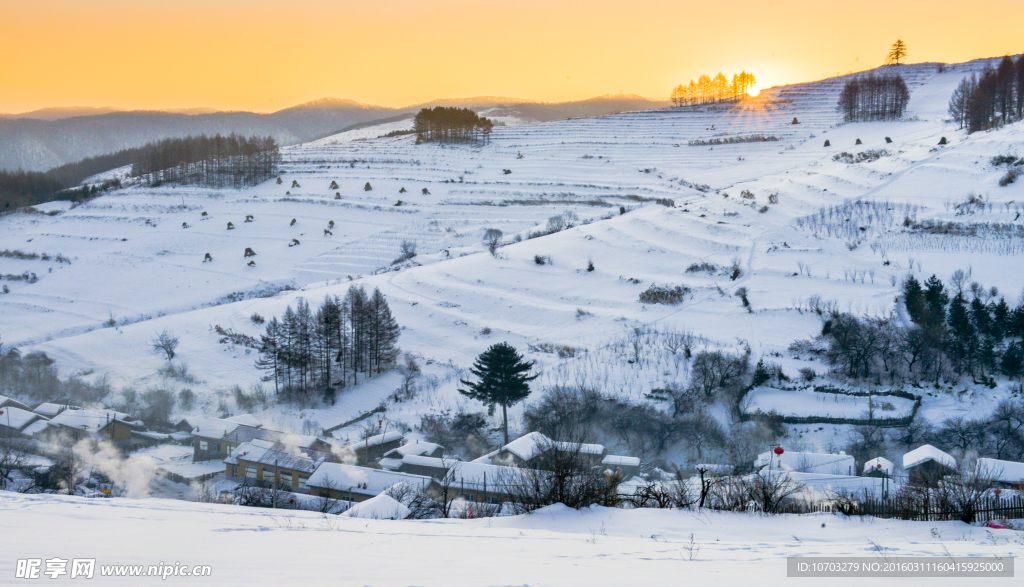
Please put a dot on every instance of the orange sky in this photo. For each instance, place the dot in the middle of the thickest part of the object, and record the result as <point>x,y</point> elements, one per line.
<point>264,55</point>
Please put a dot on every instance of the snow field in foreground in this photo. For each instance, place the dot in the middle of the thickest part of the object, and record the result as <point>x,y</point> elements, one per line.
<point>554,546</point>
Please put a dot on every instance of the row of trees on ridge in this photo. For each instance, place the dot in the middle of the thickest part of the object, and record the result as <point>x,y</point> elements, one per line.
<point>218,161</point>
<point>874,97</point>
<point>707,89</point>
<point>448,124</point>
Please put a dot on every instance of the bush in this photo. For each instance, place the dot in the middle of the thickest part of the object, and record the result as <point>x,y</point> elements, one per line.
<point>256,318</point>
<point>540,260</point>
<point>807,374</point>
<point>671,295</point>
<point>1010,177</point>
<point>702,267</point>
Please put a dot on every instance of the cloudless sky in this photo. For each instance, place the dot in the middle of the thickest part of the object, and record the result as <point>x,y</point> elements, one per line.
<point>265,55</point>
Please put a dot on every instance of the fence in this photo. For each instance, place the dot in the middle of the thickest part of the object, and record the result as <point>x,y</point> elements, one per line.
<point>917,508</point>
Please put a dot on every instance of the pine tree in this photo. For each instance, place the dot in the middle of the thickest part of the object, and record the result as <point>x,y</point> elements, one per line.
<point>504,379</point>
<point>913,299</point>
<point>897,51</point>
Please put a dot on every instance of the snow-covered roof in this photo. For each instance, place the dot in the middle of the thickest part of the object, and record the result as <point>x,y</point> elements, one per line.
<point>583,447</point>
<point>417,447</point>
<point>17,418</point>
<point>620,461</point>
<point>180,436</point>
<point>361,480</point>
<point>211,427</point>
<point>4,400</point>
<point>90,420</point>
<point>151,435</point>
<point>528,446</point>
<point>479,475</point>
<point>265,452</point>
<point>872,465</point>
<point>242,433</point>
<point>378,439</point>
<point>486,459</point>
<point>1004,471</point>
<point>381,507</point>
<point>808,462</point>
<point>923,454</point>
<point>390,464</point>
<point>50,409</point>
<point>246,419</point>
<point>36,427</point>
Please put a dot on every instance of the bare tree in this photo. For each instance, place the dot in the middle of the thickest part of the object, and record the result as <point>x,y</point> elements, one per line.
<point>13,456</point>
<point>165,343</point>
<point>492,238</point>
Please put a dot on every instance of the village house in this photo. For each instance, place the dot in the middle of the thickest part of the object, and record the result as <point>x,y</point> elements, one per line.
<point>527,450</point>
<point>435,467</point>
<point>926,465</point>
<point>373,448</point>
<point>20,422</point>
<point>623,467</point>
<point>392,460</point>
<point>1005,474</point>
<point>215,438</point>
<point>481,482</point>
<point>267,463</point>
<point>6,401</point>
<point>51,409</point>
<point>72,425</point>
<point>355,483</point>
<point>879,467</point>
<point>808,462</point>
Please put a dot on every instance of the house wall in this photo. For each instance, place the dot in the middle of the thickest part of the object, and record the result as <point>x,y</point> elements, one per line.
<point>240,472</point>
<point>216,448</point>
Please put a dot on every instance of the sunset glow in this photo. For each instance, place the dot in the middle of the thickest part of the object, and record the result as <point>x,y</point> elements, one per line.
<point>264,55</point>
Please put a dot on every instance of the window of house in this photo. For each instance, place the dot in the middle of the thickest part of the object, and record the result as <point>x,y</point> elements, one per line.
<point>216,447</point>
<point>250,471</point>
<point>202,445</point>
<point>234,470</point>
<point>286,479</point>
<point>268,474</point>
<point>302,481</point>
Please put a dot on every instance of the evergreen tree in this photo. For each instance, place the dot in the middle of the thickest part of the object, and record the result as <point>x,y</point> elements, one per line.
<point>897,51</point>
<point>504,379</point>
<point>913,299</point>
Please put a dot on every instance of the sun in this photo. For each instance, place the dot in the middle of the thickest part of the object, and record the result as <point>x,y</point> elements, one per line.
<point>753,91</point>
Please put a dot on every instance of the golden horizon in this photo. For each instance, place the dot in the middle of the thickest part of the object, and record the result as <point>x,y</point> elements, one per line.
<point>266,55</point>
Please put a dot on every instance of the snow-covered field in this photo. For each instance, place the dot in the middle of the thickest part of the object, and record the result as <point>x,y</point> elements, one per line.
<point>554,546</point>
<point>132,260</point>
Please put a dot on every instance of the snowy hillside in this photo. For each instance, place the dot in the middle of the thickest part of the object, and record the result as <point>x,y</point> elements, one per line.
<point>135,256</point>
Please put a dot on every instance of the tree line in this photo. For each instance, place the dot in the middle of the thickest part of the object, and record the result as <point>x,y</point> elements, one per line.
<point>309,354</point>
<point>874,97</point>
<point>28,188</point>
<point>217,161</point>
<point>707,89</point>
<point>447,124</point>
<point>993,98</point>
<point>953,332</point>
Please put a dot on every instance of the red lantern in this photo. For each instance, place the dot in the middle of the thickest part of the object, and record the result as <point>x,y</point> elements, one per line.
<point>997,491</point>
<point>879,465</point>
<point>778,450</point>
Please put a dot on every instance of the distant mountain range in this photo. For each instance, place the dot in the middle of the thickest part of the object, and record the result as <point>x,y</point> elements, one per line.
<point>46,138</point>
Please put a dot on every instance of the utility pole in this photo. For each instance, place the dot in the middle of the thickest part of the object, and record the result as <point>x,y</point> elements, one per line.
<point>274,484</point>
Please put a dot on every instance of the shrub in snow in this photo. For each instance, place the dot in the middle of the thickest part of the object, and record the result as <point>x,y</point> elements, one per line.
<point>333,186</point>
<point>795,121</point>
<point>664,294</point>
<point>367,187</point>
<point>249,252</point>
<point>492,238</point>
<point>539,260</point>
<point>231,226</point>
<point>747,195</point>
<point>888,140</point>
<point>590,265</point>
<point>337,195</point>
<point>426,192</point>
<point>1010,177</point>
<point>256,318</point>
<point>401,191</point>
<point>279,181</point>
<point>858,142</point>
<point>943,141</point>
<point>827,144</point>
<point>207,258</point>
<point>295,183</point>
